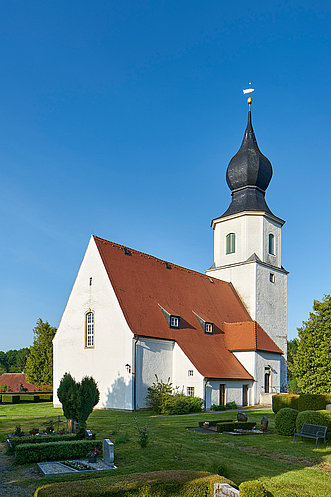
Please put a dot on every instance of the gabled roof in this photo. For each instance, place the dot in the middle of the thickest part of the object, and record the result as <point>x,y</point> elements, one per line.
<point>248,336</point>
<point>143,284</point>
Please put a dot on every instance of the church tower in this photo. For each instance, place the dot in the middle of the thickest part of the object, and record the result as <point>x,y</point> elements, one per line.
<point>247,242</point>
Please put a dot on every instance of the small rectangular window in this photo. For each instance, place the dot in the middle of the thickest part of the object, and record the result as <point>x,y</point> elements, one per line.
<point>190,391</point>
<point>230,243</point>
<point>272,244</point>
<point>208,327</point>
<point>190,372</point>
<point>90,281</point>
<point>272,278</point>
<point>174,321</point>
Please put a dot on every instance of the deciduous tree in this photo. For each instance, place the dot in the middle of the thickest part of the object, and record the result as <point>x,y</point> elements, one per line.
<point>312,360</point>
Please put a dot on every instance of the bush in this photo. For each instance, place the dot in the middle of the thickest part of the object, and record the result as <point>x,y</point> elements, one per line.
<point>313,402</point>
<point>215,407</point>
<point>322,418</point>
<point>157,394</point>
<point>284,400</point>
<point>252,489</point>
<point>160,483</point>
<point>181,404</point>
<point>214,422</point>
<point>237,425</point>
<point>40,439</point>
<point>285,421</point>
<point>37,452</point>
<point>10,399</point>
<point>231,405</point>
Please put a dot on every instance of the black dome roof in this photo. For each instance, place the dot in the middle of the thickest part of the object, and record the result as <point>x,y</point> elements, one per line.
<point>248,175</point>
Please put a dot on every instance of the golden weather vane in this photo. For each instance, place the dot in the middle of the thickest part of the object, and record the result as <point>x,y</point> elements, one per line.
<point>249,90</point>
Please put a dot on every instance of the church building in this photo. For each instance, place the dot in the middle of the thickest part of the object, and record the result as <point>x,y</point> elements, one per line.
<point>221,336</point>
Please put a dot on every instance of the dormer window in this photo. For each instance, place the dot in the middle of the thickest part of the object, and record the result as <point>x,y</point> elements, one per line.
<point>174,322</point>
<point>230,243</point>
<point>272,250</point>
<point>208,327</point>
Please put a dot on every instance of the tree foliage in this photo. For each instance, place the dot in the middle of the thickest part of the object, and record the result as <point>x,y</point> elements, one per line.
<point>78,399</point>
<point>39,365</point>
<point>312,361</point>
<point>13,361</point>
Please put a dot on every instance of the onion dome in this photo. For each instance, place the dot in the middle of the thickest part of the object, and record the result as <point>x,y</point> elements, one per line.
<point>248,175</point>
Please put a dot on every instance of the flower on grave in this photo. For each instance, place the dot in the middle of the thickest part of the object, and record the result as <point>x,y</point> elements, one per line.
<point>94,452</point>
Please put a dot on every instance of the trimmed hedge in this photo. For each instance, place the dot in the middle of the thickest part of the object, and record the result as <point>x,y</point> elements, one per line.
<point>313,402</point>
<point>157,483</point>
<point>24,397</point>
<point>27,453</point>
<point>285,400</point>
<point>243,425</point>
<point>35,439</point>
<point>214,422</point>
<point>252,489</point>
<point>321,417</point>
<point>285,421</point>
<point>10,399</point>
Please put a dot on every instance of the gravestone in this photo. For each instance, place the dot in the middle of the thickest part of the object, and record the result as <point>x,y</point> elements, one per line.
<point>225,490</point>
<point>108,452</point>
<point>328,407</point>
<point>242,416</point>
<point>264,423</point>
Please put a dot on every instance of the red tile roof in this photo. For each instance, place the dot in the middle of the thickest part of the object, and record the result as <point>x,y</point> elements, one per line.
<point>248,336</point>
<point>14,380</point>
<point>143,283</point>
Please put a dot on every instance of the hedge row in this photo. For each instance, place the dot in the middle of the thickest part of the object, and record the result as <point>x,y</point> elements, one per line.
<point>27,453</point>
<point>253,488</point>
<point>303,402</point>
<point>16,398</point>
<point>160,483</point>
<point>285,421</point>
<point>35,439</point>
<point>244,425</point>
<point>214,422</point>
<point>321,417</point>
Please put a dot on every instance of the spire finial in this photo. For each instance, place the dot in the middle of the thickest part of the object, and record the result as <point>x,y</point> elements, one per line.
<point>249,101</point>
<point>249,90</point>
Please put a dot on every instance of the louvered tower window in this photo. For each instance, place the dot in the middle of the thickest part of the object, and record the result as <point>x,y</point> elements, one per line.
<point>230,243</point>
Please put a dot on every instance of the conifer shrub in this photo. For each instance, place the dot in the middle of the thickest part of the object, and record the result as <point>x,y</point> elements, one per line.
<point>37,452</point>
<point>284,400</point>
<point>252,489</point>
<point>285,421</point>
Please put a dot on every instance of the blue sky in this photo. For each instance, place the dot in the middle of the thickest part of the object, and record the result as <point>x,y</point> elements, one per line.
<point>119,119</point>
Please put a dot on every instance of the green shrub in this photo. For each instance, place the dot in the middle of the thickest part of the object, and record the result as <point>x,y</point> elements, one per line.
<point>157,393</point>
<point>237,425</point>
<point>35,439</point>
<point>214,422</point>
<point>37,452</point>
<point>180,404</point>
<point>313,402</point>
<point>158,483</point>
<point>215,407</point>
<point>284,400</point>
<point>10,399</point>
<point>321,417</point>
<point>285,421</point>
<point>252,489</point>
<point>28,398</point>
<point>231,405</point>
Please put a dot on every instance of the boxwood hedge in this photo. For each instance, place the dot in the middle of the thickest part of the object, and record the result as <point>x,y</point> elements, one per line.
<point>285,400</point>
<point>37,452</point>
<point>285,421</point>
<point>252,489</point>
<point>302,402</point>
<point>321,417</point>
<point>160,483</point>
<point>214,422</point>
<point>14,442</point>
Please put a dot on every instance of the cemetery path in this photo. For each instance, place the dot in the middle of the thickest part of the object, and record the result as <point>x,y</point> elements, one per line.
<point>12,477</point>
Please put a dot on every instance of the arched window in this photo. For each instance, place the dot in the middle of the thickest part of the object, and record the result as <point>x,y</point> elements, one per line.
<point>272,244</point>
<point>230,243</point>
<point>89,327</point>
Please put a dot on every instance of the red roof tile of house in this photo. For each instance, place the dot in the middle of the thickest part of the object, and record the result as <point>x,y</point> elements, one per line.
<point>248,336</point>
<point>14,380</point>
<point>143,284</point>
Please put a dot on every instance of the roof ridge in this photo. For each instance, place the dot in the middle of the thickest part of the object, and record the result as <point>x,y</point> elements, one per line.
<point>149,256</point>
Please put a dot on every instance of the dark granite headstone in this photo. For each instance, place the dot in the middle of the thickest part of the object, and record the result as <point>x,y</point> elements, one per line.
<point>241,416</point>
<point>264,423</point>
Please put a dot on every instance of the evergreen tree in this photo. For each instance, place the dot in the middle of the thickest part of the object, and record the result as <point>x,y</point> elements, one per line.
<point>39,365</point>
<point>312,360</point>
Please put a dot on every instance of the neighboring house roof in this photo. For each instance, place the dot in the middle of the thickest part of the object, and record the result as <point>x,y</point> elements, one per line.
<point>14,380</point>
<point>143,284</point>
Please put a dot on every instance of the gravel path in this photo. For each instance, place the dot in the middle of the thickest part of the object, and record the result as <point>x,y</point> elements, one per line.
<point>12,476</point>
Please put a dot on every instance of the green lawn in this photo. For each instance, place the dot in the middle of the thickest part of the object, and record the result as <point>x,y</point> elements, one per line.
<point>288,469</point>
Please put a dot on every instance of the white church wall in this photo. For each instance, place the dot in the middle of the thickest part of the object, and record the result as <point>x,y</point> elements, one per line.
<point>272,227</point>
<point>233,391</point>
<point>106,361</point>
<point>181,376</point>
<point>154,357</point>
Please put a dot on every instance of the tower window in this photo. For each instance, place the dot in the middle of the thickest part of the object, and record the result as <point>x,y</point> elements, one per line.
<point>190,372</point>
<point>272,278</point>
<point>272,244</point>
<point>208,327</point>
<point>90,281</point>
<point>174,322</point>
<point>230,243</point>
<point>89,327</point>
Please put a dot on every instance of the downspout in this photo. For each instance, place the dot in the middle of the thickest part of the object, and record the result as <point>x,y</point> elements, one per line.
<point>205,393</point>
<point>136,337</point>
